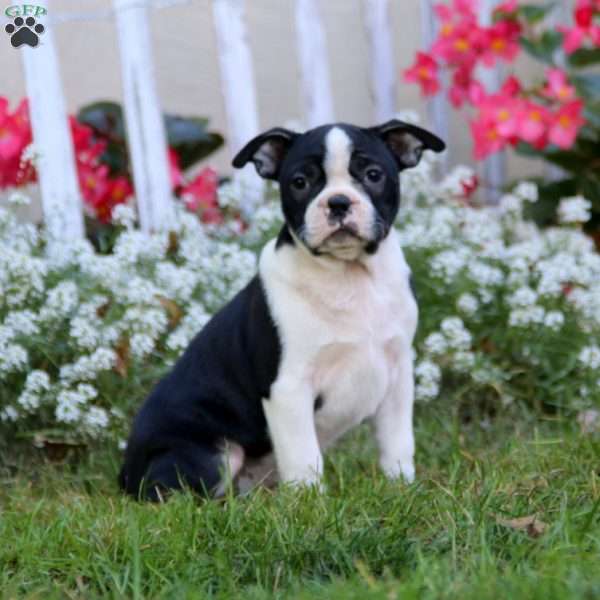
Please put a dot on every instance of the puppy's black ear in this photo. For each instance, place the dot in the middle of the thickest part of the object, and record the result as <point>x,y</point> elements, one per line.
<point>266,151</point>
<point>407,142</point>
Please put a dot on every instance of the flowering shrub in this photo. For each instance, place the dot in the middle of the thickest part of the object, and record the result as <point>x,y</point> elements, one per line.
<point>15,137</point>
<point>556,118</point>
<point>101,158</point>
<point>508,312</point>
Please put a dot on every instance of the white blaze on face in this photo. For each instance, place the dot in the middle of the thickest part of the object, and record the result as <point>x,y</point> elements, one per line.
<point>320,230</point>
<point>338,151</point>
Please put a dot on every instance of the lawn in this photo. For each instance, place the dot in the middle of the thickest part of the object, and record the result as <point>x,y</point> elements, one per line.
<point>67,532</point>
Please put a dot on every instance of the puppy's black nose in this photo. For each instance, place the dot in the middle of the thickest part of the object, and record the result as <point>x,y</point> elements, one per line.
<point>338,205</point>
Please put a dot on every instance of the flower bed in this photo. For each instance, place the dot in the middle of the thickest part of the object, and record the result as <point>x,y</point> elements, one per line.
<point>553,115</point>
<point>509,312</point>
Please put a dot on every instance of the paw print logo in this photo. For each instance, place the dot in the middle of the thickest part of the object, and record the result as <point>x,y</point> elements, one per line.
<point>24,31</point>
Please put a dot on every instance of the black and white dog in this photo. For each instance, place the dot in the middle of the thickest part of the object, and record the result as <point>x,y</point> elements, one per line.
<point>318,341</point>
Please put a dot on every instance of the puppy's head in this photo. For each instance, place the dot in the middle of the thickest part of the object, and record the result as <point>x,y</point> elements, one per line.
<point>339,183</point>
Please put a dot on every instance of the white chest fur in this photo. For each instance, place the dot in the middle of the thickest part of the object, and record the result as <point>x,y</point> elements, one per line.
<point>343,327</point>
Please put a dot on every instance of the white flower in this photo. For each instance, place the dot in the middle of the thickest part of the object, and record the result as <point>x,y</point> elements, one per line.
<point>554,319</point>
<point>590,357</point>
<point>37,381</point>
<point>36,384</point>
<point>521,317</point>
<point>527,190</point>
<point>96,418</point>
<point>141,345</point>
<point>512,205</point>
<point>456,333</point>
<point>68,406</point>
<point>449,263</point>
<point>86,368</point>
<point>124,215</point>
<point>13,358</point>
<point>428,371</point>
<point>453,183</point>
<point>19,199</point>
<point>463,361</point>
<point>29,401</point>
<point>574,210</point>
<point>484,275</point>
<point>435,344</point>
<point>85,333</point>
<point>467,303</point>
<point>425,392</point>
<point>60,302</point>
<point>22,322</point>
<point>522,297</point>
<point>9,413</point>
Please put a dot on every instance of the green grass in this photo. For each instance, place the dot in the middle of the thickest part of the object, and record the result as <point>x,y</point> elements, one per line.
<point>66,532</point>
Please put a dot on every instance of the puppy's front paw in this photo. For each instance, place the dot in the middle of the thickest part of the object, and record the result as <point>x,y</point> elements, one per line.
<point>397,469</point>
<point>312,482</point>
<point>407,471</point>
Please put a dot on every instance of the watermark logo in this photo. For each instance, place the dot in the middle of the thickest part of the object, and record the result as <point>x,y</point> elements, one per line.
<point>25,29</point>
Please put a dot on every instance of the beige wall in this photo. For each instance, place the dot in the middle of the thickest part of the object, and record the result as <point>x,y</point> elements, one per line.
<point>187,66</point>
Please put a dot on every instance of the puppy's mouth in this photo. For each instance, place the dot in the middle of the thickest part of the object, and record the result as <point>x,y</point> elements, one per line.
<point>344,234</point>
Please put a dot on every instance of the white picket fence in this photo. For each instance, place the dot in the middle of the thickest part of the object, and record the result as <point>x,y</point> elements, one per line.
<point>61,202</point>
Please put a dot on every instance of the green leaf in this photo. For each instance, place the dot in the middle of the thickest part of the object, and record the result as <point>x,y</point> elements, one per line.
<point>543,211</point>
<point>587,85</point>
<point>105,118</point>
<point>544,47</point>
<point>590,188</point>
<point>584,57</point>
<point>533,13</point>
<point>591,113</point>
<point>190,138</point>
<point>525,149</point>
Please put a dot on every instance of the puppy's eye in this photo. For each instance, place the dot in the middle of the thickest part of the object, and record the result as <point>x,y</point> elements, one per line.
<point>299,183</point>
<point>374,175</point>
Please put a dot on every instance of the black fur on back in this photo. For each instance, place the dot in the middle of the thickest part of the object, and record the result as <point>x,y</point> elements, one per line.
<point>214,392</point>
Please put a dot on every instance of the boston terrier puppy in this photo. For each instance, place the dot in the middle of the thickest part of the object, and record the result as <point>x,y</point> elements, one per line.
<point>317,342</point>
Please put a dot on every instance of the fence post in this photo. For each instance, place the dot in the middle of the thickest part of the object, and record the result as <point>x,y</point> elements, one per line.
<point>314,64</point>
<point>494,167</point>
<point>437,107</point>
<point>53,144</point>
<point>146,134</point>
<point>239,91</point>
<point>383,71</point>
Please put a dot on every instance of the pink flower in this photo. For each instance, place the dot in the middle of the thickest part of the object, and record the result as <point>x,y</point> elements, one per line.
<point>459,44</point>
<point>565,124</point>
<point>511,87</point>
<point>465,8</point>
<point>15,136</point>
<point>533,124</point>
<point>469,186</point>
<point>464,88</point>
<point>486,136</point>
<point>558,86</point>
<point>502,41</point>
<point>200,195</point>
<point>94,185</point>
<point>574,37</point>
<point>174,169</point>
<point>424,72</point>
<point>508,7</point>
